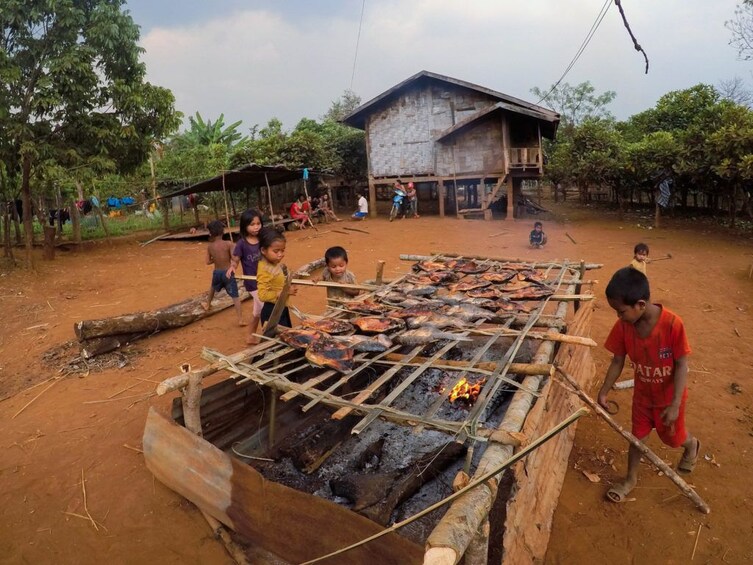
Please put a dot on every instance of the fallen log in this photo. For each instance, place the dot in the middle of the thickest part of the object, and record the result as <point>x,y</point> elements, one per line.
<point>377,495</point>
<point>169,317</point>
<point>320,441</point>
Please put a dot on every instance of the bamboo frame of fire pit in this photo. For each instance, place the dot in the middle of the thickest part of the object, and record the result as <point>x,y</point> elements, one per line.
<point>263,365</point>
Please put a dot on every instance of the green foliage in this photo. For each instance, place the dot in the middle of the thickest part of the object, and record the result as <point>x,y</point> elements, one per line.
<point>576,104</point>
<point>207,133</point>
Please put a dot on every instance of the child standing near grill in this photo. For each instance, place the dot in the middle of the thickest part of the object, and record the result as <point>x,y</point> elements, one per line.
<point>247,254</point>
<point>271,274</point>
<point>336,270</point>
<point>640,258</point>
<point>219,253</point>
<point>655,340</point>
<point>537,239</point>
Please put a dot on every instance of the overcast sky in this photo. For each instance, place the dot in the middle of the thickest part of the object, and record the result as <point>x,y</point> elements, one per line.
<point>258,59</point>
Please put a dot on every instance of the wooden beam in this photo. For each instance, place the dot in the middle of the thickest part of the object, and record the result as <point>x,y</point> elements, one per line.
<point>515,368</point>
<point>325,284</point>
<point>441,191</point>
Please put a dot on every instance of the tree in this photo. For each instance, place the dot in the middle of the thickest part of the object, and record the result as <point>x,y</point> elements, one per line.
<point>576,104</point>
<point>736,91</point>
<point>72,90</point>
<point>741,30</point>
<point>343,106</point>
<point>208,133</point>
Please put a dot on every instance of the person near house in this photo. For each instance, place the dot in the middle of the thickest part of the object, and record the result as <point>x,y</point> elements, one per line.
<point>271,274</point>
<point>654,339</point>
<point>640,258</point>
<point>298,211</point>
<point>326,207</point>
<point>363,208</point>
<point>537,238</point>
<point>412,197</point>
<point>247,254</point>
<point>220,253</point>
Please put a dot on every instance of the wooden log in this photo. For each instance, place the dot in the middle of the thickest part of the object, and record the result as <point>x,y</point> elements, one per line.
<point>655,460</point>
<point>377,495</point>
<point>191,399</point>
<point>320,441</point>
<point>379,279</point>
<point>279,519</point>
<point>75,222</point>
<point>220,533</point>
<point>310,267</point>
<point>515,368</point>
<point>169,317</point>
<point>90,348</point>
<point>48,245</point>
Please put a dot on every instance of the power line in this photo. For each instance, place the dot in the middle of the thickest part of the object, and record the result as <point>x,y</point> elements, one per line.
<point>589,36</point>
<point>358,41</point>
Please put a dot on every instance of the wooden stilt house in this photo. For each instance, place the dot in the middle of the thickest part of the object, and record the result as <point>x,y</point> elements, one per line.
<point>464,146</point>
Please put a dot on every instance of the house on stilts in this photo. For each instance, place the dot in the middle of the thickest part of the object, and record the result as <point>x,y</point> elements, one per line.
<point>464,146</point>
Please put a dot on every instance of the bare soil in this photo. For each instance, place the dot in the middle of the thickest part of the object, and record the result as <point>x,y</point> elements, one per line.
<point>91,424</point>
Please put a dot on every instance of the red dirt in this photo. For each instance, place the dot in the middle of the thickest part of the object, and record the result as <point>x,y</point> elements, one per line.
<point>69,427</point>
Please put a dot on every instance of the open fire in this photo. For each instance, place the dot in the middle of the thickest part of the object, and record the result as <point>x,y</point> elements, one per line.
<point>465,391</point>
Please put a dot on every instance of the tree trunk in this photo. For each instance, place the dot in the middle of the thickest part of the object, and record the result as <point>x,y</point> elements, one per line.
<point>173,316</point>
<point>657,216</point>
<point>7,248</point>
<point>733,206</point>
<point>75,223</point>
<point>16,222</point>
<point>166,213</point>
<point>48,250</point>
<point>27,217</point>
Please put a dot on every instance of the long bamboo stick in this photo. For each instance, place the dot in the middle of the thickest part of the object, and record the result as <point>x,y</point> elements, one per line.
<point>657,461</point>
<point>326,284</point>
<point>528,264</point>
<point>563,338</point>
<point>515,368</point>
<point>470,486</point>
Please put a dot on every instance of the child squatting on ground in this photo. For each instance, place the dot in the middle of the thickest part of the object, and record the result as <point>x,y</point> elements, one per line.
<point>247,254</point>
<point>271,274</point>
<point>640,258</point>
<point>537,238</point>
<point>336,270</point>
<point>654,339</point>
<point>219,252</point>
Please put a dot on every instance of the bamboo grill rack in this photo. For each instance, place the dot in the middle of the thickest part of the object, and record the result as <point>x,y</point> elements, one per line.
<point>323,388</point>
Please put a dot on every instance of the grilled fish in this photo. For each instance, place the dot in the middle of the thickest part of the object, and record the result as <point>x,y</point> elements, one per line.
<point>487,292</point>
<point>418,310</point>
<point>300,338</point>
<point>331,353</point>
<point>462,298</point>
<point>332,326</point>
<point>416,290</point>
<point>427,334</point>
<point>469,312</point>
<point>467,267</point>
<point>371,344</point>
<point>367,307</point>
<point>499,276</point>
<point>469,283</point>
<point>436,320</point>
<point>377,325</point>
<point>431,266</point>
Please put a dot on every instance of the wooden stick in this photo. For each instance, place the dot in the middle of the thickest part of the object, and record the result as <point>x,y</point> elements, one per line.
<point>695,545</point>
<point>274,317</point>
<point>220,533</point>
<point>25,406</point>
<point>563,338</point>
<point>470,486</point>
<point>326,284</point>
<point>86,508</point>
<point>356,229</point>
<point>435,255</point>
<point>658,462</point>
<point>571,238</point>
<point>379,273</point>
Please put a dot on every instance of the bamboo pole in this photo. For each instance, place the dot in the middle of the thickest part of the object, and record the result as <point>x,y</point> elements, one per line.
<point>515,368</point>
<point>224,198</point>
<point>269,195</point>
<point>657,461</point>
<point>326,284</point>
<point>562,338</point>
<point>528,264</point>
<point>479,481</point>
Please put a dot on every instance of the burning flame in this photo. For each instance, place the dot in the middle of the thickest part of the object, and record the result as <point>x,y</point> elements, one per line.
<point>466,391</point>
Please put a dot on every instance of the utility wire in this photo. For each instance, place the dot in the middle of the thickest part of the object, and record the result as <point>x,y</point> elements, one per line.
<point>589,36</point>
<point>358,41</point>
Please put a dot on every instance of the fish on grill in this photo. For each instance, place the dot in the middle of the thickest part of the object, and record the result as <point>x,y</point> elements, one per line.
<point>463,298</point>
<point>469,283</point>
<point>369,344</point>
<point>330,353</point>
<point>469,267</point>
<point>418,310</point>
<point>300,338</point>
<point>516,284</point>
<point>505,305</point>
<point>469,312</point>
<point>431,279</point>
<point>431,266</point>
<point>488,292</point>
<point>427,334</point>
<point>332,326</point>
<point>416,290</point>
<point>377,324</point>
<point>533,292</point>
<point>367,307</point>
<point>436,320</point>
<point>499,276</point>
<point>532,275</point>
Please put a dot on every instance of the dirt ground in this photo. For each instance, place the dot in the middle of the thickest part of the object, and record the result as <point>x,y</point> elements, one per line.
<point>91,425</point>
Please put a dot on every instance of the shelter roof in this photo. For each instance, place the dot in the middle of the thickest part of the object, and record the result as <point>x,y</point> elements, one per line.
<point>357,118</point>
<point>250,176</point>
<point>547,122</point>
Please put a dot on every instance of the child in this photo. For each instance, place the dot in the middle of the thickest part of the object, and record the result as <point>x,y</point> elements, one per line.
<point>336,270</point>
<point>271,274</point>
<point>640,258</point>
<point>537,238</point>
<point>247,254</point>
<point>655,340</point>
<point>412,197</point>
<point>219,252</point>
<point>363,208</point>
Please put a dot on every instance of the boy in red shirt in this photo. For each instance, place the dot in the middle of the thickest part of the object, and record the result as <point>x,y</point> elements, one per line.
<point>655,340</point>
